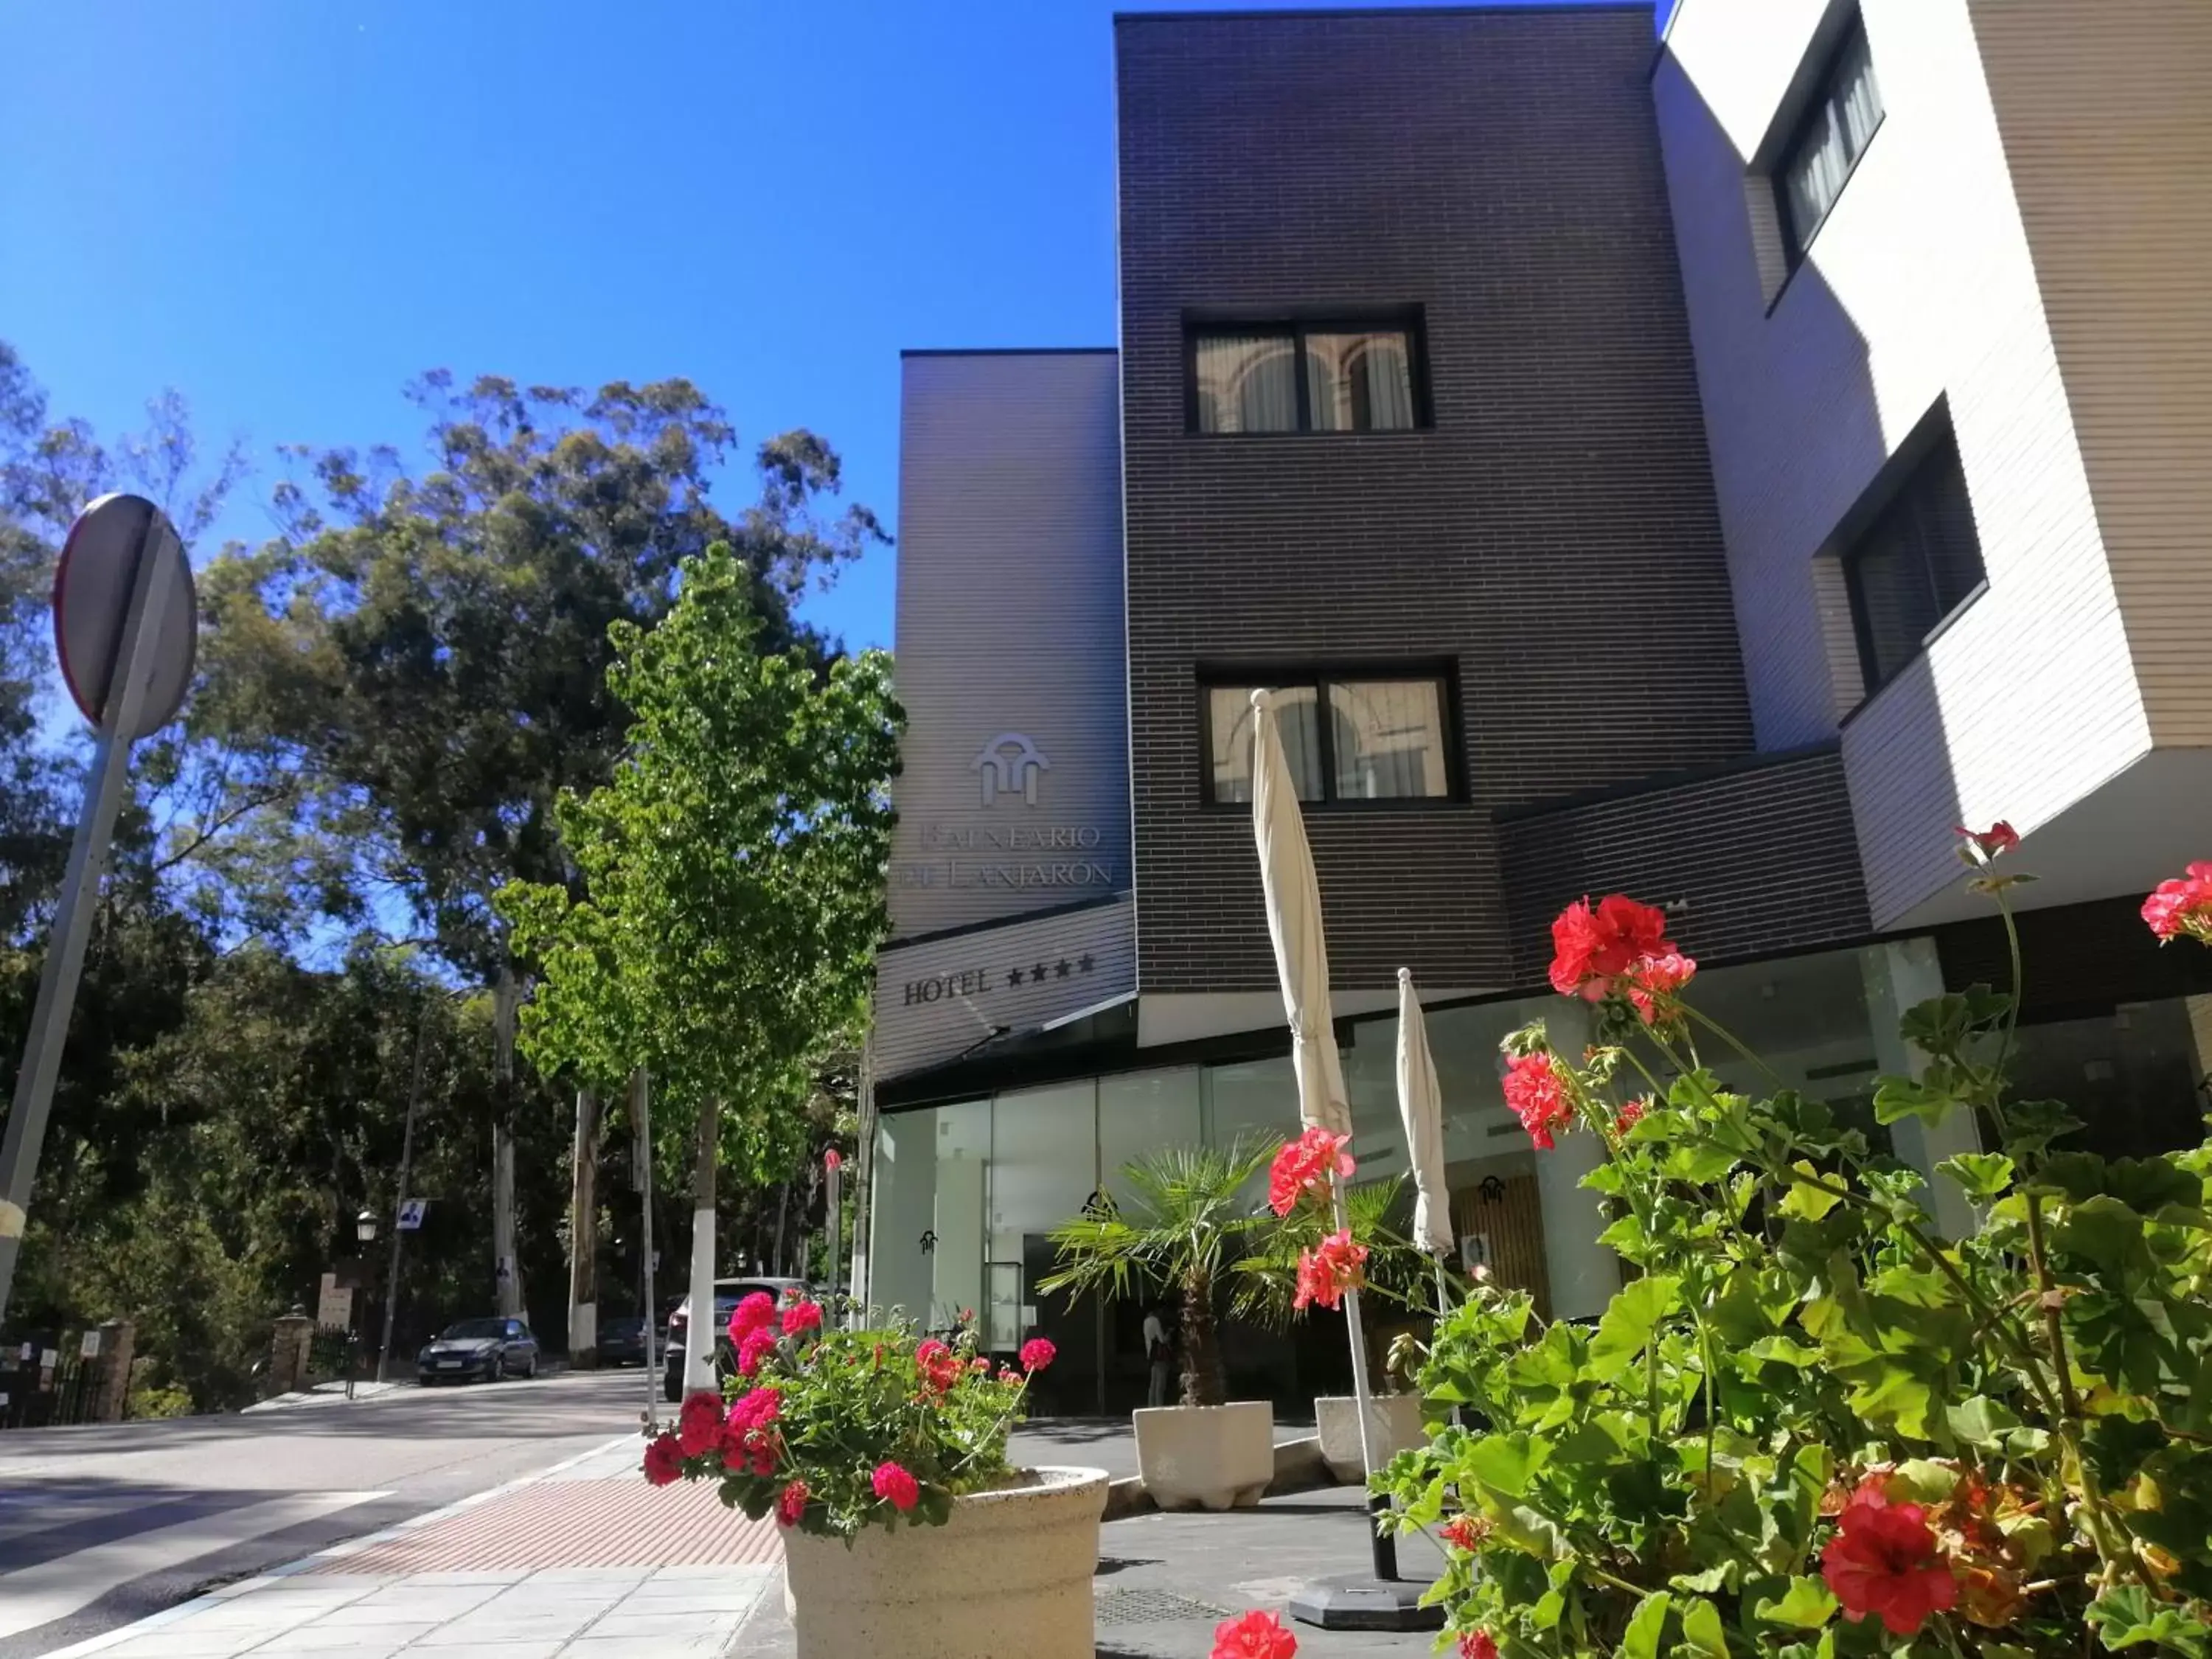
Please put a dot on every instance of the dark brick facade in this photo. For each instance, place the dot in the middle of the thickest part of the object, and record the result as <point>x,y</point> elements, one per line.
<point>1750,859</point>
<point>1554,534</point>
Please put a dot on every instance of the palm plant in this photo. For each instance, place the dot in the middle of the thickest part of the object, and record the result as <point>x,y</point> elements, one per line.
<point>1397,1274</point>
<point>1188,1214</point>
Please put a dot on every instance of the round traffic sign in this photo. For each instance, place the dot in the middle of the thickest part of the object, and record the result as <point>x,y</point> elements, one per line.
<point>92,586</point>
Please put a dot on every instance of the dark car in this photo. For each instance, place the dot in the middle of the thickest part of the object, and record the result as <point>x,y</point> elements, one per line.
<point>728,1292</point>
<point>621,1341</point>
<point>479,1350</point>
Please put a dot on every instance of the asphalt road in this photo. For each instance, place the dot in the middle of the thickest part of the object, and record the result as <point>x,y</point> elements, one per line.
<point>100,1524</point>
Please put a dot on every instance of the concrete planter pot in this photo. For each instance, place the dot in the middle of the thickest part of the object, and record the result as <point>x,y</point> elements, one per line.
<point>1394,1420</point>
<point>1206,1457</point>
<point>1007,1577</point>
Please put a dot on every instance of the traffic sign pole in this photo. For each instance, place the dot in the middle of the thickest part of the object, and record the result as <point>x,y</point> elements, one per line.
<point>136,660</point>
<point>406,1175</point>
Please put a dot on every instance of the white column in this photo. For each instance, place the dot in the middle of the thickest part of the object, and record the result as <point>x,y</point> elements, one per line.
<point>1583,1274</point>
<point>1899,975</point>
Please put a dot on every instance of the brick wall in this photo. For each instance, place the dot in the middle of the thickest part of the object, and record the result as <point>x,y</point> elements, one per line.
<point>1751,860</point>
<point>1554,534</point>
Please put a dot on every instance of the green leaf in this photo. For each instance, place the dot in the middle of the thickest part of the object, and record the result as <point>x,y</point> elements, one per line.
<point>1898,1097</point>
<point>1700,1162</point>
<point>1807,1203</point>
<point>1924,1481</point>
<point>1701,1629</point>
<point>1641,1639</point>
<point>1628,1323</point>
<point>1980,1421</point>
<point>1545,1615</point>
<point>2126,1617</point>
<point>1506,1462</point>
<point>2103,1230</point>
<point>1808,1605</point>
<point>1894,1396</point>
<point>1979,1174</point>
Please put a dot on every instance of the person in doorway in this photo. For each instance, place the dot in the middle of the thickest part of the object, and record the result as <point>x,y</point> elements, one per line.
<point>1160,1355</point>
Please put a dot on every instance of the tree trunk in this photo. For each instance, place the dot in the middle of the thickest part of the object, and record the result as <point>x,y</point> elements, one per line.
<point>584,1237</point>
<point>1202,1383</point>
<point>507,1266</point>
<point>699,1333</point>
<point>775,1239</point>
<point>864,1184</point>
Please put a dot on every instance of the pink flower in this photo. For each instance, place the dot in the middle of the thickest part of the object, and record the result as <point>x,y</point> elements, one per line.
<point>791,1503</point>
<point>802,1317</point>
<point>1310,1162</point>
<point>750,1314</point>
<point>1037,1353</point>
<point>1253,1635</point>
<point>1477,1644</point>
<point>897,1487</point>
<point>698,1425</point>
<point>1327,1272</point>
<point>939,1366</point>
<point>2183,906</point>
<point>756,1409</point>
<point>979,1364</point>
<point>1008,1374</point>
<point>1533,1091</point>
<point>757,1345</point>
<point>1999,837</point>
<point>662,1460</point>
<point>1650,978</point>
<point>1630,1116</point>
<point>1884,1560</point>
<point>833,1160</point>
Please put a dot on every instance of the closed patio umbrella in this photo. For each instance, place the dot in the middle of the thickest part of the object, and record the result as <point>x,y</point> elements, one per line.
<point>1420,1104</point>
<point>1294,927</point>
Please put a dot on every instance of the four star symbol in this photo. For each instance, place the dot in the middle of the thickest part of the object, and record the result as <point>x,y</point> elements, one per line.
<point>1036,972</point>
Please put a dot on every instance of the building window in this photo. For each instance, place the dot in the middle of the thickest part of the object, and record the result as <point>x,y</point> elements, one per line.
<point>1382,737</point>
<point>1304,377</point>
<point>1839,121</point>
<point>1917,561</point>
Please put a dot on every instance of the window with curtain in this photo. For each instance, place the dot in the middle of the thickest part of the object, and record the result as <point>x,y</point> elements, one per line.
<point>1348,738</point>
<point>1301,377</point>
<point>1839,121</point>
<point>1917,563</point>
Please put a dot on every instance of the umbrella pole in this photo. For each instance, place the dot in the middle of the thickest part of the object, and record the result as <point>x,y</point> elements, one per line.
<point>1382,1545</point>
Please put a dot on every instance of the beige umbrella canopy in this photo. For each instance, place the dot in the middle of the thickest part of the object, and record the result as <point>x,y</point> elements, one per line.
<point>1420,1103</point>
<point>1286,874</point>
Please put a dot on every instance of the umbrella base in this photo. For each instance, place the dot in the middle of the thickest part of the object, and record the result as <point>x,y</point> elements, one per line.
<point>1358,1601</point>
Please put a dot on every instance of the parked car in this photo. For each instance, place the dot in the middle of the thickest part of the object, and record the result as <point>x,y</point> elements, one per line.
<point>479,1350</point>
<point>728,1292</point>
<point>621,1340</point>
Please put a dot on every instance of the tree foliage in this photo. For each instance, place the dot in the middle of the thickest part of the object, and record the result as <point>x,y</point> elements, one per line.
<point>731,873</point>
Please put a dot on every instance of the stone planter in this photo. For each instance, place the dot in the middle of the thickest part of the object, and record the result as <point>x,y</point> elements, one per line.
<point>1007,1577</point>
<point>1394,1420</point>
<point>1206,1457</point>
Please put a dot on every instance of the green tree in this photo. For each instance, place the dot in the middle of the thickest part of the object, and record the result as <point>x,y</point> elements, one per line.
<point>731,875</point>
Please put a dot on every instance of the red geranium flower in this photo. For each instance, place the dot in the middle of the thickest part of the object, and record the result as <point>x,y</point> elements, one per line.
<point>1331,1268</point>
<point>802,1317</point>
<point>1464,1532</point>
<point>756,1346</point>
<point>2181,907</point>
<point>1253,1635</point>
<point>1883,1560</point>
<point>1999,837</point>
<point>833,1160</point>
<point>1590,949</point>
<point>662,1460</point>
<point>1630,1116</point>
<point>1312,1160</point>
<point>1037,1353</point>
<point>750,1314</point>
<point>1477,1644</point>
<point>756,1409</point>
<point>897,1487</point>
<point>939,1366</point>
<point>1533,1091</point>
<point>1649,978</point>
<point>698,1425</point>
<point>791,1503</point>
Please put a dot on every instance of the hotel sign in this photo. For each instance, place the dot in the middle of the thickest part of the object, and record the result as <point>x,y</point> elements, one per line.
<point>1001,850</point>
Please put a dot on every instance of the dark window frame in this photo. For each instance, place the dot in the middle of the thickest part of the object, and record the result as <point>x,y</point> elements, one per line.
<point>1319,674</point>
<point>1809,110</point>
<point>1298,322</point>
<point>1931,437</point>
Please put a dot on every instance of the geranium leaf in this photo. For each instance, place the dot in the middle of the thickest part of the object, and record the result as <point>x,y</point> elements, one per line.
<point>1979,1174</point>
<point>1504,1462</point>
<point>1808,1605</point>
<point>1980,1421</point>
<point>2126,1617</point>
<point>1701,1631</point>
<point>1628,1323</point>
<point>1699,1162</point>
<point>1804,1202</point>
<point>1641,1639</point>
<point>2103,1230</point>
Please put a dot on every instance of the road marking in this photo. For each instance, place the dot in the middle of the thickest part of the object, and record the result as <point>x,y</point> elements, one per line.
<point>36,1595</point>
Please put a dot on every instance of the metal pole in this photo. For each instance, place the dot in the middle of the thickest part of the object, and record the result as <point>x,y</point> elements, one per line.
<point>406,1172</point>
<point>641,1109</point>
<point>1384,1546</point>
<point>135,657</point>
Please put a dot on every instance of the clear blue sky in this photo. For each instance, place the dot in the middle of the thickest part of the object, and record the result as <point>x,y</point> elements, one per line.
<point>285,209</point>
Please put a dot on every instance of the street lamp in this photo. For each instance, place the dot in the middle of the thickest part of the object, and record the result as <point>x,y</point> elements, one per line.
<point>364,1227</point>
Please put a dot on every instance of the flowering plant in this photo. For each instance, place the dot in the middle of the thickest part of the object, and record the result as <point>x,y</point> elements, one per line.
<point>832,1430</point>
<point>1810,1426</point>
